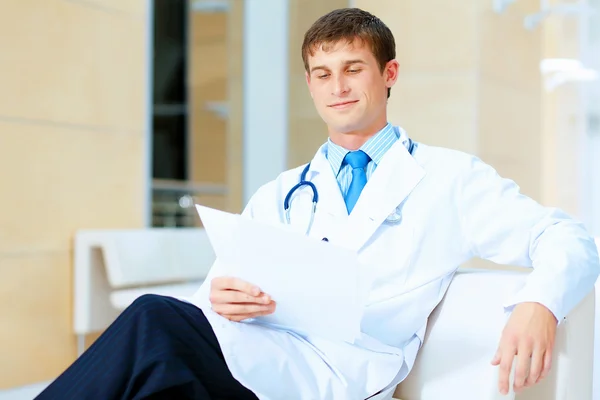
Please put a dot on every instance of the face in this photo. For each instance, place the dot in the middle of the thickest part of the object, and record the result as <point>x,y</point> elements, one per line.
<point>348,88</point>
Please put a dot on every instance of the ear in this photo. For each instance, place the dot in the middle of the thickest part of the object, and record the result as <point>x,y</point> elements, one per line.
<point>391,72</point>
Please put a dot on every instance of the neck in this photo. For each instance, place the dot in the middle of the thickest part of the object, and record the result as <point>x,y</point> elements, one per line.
<point>353,140</point>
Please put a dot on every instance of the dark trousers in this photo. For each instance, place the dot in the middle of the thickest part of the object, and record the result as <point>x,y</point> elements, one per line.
<point>158,348</point>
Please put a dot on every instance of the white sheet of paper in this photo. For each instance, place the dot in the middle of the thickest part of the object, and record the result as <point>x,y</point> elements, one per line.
<point>316,285</point>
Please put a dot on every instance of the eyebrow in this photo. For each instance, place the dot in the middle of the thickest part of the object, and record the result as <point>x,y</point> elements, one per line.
<point>346,63</point>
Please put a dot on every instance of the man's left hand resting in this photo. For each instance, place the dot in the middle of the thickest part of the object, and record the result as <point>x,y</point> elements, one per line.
<point>529,334</point>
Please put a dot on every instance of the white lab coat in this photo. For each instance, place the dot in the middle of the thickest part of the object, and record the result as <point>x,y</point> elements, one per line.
<point>453,207</point>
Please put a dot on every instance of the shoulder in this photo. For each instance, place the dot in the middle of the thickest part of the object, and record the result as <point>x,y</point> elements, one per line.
<point>446,161</point>
<point>269,196</point>
<point>463,172</point>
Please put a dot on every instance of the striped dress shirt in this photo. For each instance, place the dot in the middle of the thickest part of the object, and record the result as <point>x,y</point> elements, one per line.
<point>375,148</point>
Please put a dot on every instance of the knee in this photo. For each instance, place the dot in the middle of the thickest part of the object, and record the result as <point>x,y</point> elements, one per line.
<point>147,302</point>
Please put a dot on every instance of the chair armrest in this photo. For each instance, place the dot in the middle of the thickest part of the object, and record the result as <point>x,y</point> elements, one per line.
<point>463,335</point>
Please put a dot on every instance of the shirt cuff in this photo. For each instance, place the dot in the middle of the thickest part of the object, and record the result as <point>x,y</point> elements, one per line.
<point>545,301</point>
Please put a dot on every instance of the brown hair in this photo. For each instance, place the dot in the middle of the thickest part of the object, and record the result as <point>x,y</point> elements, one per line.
<point>350,24</point>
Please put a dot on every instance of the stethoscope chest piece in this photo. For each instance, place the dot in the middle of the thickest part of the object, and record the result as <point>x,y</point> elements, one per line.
<point>395,217</point>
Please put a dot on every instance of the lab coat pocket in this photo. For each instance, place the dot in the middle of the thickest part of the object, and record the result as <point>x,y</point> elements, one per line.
<point>387,261</point>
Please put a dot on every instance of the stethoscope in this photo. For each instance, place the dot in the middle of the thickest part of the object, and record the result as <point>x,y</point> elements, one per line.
<point>394,218</point>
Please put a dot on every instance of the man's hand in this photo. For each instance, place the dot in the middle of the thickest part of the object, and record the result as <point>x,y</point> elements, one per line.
<point>238,300</point>
<point>529,334</point>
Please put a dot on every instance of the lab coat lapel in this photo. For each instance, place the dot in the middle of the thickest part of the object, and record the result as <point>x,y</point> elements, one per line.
<point>331,208</point>
<point>393,180</point>
<point>330,196</point>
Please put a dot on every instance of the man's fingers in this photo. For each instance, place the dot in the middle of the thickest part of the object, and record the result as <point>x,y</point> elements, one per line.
<point>238,300</point>
<point>523,364</point>
<point>234,296</point>
<point>537,362</point>
<point>243,286</point>
<point>242,309</point>
<point>241,317</point>
<point>530,331</point>
<point>547,364</point>
<point>506,361</point>
<point>231,283</point>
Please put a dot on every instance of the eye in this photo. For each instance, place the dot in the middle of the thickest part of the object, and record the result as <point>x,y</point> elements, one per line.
<point>354,71</point>
<point>322,76</point>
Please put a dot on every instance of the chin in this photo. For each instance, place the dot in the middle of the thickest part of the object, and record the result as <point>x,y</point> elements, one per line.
<point>345,126</point>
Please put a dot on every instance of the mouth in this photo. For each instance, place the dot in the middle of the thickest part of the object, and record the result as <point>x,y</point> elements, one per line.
<point>342,105</point>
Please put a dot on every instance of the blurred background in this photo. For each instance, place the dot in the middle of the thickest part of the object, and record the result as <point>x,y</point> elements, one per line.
<point>120,114</point>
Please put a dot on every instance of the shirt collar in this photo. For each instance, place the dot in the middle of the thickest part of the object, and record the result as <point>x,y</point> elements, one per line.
<point>375,148</point>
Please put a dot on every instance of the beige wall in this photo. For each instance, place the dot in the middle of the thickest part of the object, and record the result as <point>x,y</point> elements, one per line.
<point>510,96</point>
<point>72,146</point>
<point>436,46</point>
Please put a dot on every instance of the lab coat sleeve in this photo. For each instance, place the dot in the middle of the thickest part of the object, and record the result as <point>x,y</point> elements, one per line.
<point>502,225</point>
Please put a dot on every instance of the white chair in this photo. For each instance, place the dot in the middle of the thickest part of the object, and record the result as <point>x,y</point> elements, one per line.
<point>463,335</point>
<point>114,267</point>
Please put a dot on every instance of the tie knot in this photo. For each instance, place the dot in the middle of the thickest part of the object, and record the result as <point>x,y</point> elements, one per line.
<point>357,159</point>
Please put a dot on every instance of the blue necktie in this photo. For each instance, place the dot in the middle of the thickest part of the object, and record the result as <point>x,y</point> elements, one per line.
<point>358,160</point>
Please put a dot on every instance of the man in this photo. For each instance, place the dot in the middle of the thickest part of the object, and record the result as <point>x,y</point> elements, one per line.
<point>413,213</point>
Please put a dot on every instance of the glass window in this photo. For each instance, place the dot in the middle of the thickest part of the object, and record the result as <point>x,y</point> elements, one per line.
<point>189,124</point>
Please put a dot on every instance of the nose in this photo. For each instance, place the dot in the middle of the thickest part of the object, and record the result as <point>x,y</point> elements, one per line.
<point>340,86</point>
